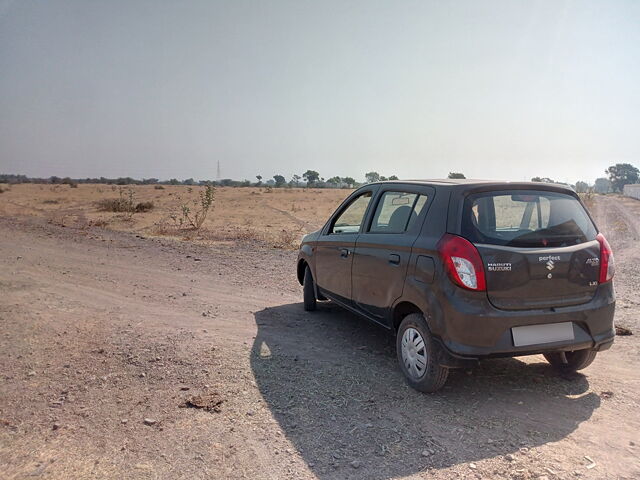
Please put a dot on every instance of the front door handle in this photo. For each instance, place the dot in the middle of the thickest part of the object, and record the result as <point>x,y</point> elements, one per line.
<point>394,259</point>
<point>344,252</point>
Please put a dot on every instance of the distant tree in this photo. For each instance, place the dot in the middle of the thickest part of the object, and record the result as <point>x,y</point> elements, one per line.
<point>334,181</point>
<point>582,187</point>
<point>393,177</point>
<point>245,183</point>
<point>188,181</point>
<point>174,181</point>
<point>54,179</point>
<point>280,180</point>
<point>456,175</point>
<point>349,181</point>
<point>259,177</point>
<point>149,181</point>
<point>296,180</point>
<point>372,177</point>
<point>602,185</point>
<point>622,174</point>
<point>311,176</point>
<point>543,180</point>
<point>383,178</point>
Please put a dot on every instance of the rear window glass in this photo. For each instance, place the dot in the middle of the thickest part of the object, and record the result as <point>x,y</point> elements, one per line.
<point>526,218</point>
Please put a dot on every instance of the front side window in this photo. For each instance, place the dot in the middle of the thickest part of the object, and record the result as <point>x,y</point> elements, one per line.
<point>351,218</point>
<point>396,212</point>
<point>525,218</point>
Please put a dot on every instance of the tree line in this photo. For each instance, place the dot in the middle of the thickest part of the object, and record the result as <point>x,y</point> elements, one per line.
<point>618,176</point>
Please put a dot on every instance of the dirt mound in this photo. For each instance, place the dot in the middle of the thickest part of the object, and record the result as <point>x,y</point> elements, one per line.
<point>211,402</point>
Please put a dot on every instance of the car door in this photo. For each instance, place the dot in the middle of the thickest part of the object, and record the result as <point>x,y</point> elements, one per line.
<point>383,250</point>
<point>335,245</point>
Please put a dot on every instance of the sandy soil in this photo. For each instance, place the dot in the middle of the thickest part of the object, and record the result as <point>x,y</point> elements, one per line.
<point>106,336</point>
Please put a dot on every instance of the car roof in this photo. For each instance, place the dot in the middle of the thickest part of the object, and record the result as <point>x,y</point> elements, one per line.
<point>472,184</point>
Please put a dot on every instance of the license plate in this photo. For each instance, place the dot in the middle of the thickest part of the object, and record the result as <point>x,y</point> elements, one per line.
<point>537,334</point>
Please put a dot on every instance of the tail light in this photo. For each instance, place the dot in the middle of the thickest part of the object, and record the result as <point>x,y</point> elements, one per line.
<point>607,265</point>
<point>462,262</point>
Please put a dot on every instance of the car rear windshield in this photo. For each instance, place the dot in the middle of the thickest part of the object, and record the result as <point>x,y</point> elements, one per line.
<point>526,218</point>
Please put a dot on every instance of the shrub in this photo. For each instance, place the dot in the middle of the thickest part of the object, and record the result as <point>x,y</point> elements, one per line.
<point>73,185</point>
<point>288,239</point>
<point>144,207</point>
<point>159,187</point>
<point>124,204</point>
<point>195,218</point>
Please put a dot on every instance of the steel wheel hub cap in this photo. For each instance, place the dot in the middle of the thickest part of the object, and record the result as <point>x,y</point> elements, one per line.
<point>414,353</point>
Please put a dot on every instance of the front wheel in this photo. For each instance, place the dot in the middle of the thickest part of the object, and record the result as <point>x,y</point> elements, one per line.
<point>417,355</point>
<point>571,361</point>
<point>308,291</point>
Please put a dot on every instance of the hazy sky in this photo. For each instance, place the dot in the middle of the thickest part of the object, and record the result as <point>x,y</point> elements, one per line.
<point>495,89</point>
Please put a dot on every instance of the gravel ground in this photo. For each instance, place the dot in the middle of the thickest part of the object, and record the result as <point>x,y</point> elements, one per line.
<point>110,341</point>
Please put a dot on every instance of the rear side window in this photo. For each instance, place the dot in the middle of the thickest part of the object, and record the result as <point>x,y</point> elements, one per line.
<point>396,212</point>
<point>526,218</point>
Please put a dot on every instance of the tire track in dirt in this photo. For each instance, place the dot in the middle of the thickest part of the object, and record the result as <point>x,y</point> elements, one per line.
<point>306,225</point>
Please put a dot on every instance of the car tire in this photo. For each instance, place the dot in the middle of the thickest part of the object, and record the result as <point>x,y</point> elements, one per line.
<point>417,355</point>
<point>571,361</point>
<point>309,291</point>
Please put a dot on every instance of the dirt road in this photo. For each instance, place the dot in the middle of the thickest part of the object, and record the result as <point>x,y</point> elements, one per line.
<point>106,335</point>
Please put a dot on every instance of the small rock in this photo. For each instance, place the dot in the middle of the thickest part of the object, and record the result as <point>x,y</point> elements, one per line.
<point>355,464</point>
<point>124,421</point>
<point>56,426</point>
<point>150,421</point>
<point>426,453</point>
<point>142,375</point>
<point>473,466</point>
<point>31,373</point>
<point>509,457</point>
<point>250,413</point>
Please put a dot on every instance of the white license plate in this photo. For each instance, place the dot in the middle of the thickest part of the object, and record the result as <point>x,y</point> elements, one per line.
<point>537,334</point>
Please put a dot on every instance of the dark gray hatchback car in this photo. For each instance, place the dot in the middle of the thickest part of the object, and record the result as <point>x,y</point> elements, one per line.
<point>465,270</point>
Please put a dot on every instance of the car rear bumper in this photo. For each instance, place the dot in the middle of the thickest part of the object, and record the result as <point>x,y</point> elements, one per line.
<point>472,330</point>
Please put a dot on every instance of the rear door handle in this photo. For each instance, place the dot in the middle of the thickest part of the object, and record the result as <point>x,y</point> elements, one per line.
<point>394,259</point>
<point>344,252</point>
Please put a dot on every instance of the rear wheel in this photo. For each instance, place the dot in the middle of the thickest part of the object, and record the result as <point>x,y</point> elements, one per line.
<point>571,361</point>
<point>308,291</point>
<point>417,355</point>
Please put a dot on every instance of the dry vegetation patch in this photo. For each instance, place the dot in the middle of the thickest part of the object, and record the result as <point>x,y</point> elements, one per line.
<point>277,217</point>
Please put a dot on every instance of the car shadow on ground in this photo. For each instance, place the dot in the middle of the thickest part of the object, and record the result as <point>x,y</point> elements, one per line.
<point>331,381</point>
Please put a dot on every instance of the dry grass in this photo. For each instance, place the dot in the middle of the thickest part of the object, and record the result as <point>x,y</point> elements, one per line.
<point>278,217</point>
